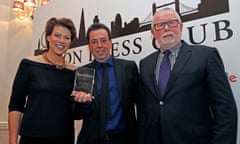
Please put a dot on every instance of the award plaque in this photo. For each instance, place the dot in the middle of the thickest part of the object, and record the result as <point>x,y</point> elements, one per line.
<point>84,79</point>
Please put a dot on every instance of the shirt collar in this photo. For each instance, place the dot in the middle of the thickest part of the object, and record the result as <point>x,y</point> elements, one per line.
<point>174,50</point>
<point>109,62</point>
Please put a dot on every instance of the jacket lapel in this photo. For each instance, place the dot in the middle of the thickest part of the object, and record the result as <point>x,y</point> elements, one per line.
<point>118,73</point>
<point>152,74</point>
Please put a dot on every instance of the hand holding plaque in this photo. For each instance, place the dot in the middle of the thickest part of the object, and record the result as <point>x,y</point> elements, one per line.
<point>84,79</point>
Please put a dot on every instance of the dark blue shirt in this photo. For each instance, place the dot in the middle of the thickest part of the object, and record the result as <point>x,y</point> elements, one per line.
<point>116,123</point>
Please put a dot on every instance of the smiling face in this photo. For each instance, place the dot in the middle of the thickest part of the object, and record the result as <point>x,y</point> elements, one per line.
<point>59,40</point>
<point>166,29</point>
<point>100,45</point>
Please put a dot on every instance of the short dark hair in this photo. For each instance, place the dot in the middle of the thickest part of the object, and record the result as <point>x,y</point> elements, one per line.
<point>65,22</point>
<point>97,26</point>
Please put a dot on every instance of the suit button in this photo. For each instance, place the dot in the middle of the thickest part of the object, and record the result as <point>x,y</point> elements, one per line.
<point>161,103</point>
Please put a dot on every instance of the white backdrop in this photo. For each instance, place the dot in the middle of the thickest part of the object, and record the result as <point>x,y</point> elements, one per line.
<point>209,24</point>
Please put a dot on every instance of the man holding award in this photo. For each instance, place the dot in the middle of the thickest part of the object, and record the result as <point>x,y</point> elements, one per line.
<point>108,111</point>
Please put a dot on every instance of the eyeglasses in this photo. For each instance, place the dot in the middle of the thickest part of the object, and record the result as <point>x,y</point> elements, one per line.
<point>171,24</point>
<point>101,40</point>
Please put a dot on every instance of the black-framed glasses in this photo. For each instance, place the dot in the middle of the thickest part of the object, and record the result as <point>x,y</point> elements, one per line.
<point>161,25</point>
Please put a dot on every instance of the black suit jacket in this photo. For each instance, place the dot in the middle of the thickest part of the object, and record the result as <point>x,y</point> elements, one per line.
<point>127,82</point>
<point>198,105</point>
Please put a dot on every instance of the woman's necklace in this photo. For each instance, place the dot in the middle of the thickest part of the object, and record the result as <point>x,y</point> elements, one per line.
<point>49,60</point>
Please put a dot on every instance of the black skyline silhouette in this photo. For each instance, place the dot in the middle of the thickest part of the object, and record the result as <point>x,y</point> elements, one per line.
<point>205,8</point>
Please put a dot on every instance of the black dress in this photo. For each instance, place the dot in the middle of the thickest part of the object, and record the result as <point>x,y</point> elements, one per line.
<point>42,93</point>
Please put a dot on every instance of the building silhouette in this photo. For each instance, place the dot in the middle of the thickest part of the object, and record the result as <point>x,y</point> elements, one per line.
<point>119,28</point>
